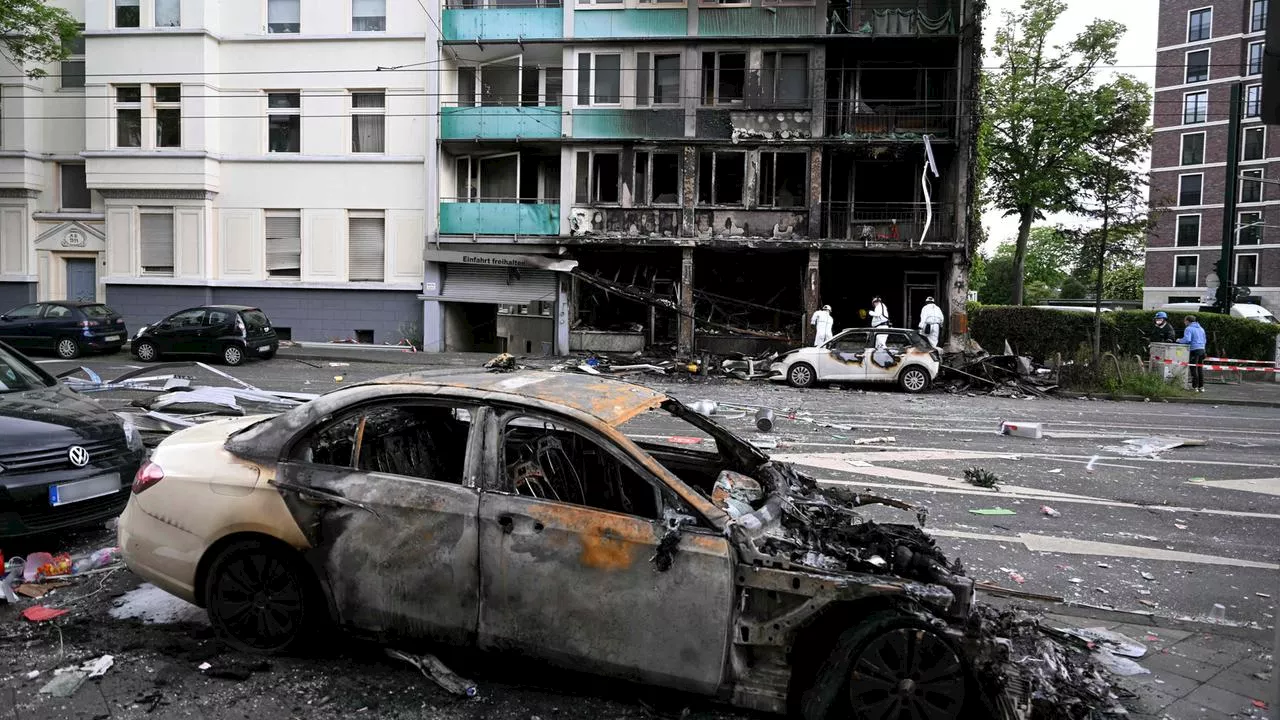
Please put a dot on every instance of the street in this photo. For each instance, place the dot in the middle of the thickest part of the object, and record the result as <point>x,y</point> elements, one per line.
<point>1172,535</point>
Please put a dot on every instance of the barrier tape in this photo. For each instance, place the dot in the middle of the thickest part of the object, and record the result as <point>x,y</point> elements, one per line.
<point>1239,362</point>
<point>1207,366</point>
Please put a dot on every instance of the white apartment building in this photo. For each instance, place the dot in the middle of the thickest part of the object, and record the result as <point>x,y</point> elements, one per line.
<point>258,152</point>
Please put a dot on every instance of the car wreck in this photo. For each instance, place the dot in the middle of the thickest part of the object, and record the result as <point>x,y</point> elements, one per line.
<point>576,520</point>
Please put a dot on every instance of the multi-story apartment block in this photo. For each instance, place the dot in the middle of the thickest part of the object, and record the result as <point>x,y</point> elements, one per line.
<point>377,167</point>
<point>1204,48</point>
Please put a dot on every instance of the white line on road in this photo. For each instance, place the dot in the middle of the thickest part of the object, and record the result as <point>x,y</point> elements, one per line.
<point>1264,486</point>
<point>1071,546</point>
<point>1049,456</point>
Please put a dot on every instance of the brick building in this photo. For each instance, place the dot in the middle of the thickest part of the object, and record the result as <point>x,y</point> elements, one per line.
<point>1203,49</point>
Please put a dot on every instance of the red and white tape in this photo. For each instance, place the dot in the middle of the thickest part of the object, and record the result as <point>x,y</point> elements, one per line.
<point>1207,366</point>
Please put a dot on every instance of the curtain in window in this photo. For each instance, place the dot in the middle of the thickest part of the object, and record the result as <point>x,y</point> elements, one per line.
<point>281,12</point>
<point>168,13</point>
<point>368,15</point>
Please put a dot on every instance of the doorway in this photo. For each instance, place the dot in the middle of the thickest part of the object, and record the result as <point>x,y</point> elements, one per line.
<point>82,279</point>
<point>919,288</point>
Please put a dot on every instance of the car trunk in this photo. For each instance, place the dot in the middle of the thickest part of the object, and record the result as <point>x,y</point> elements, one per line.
<point>255,323</point>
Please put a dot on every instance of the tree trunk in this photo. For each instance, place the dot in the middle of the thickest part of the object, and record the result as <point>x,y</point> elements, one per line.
<point>1098,282</point>
<point>1026,214</point>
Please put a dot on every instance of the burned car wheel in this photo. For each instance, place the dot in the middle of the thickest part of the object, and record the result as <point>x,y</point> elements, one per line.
<point>914,380</point>
<point>890,667</point>
<point>257,597</point>
<point>801,375</point>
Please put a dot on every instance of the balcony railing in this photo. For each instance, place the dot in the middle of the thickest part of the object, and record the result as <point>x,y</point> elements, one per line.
<point>886,118</point>
<point>650,21</point>
<point>887,223</point>
<point>507,20</point>
<point>498,216</point>
<point>489,122</point>
<point>625,123</point>
<point>894,18</point>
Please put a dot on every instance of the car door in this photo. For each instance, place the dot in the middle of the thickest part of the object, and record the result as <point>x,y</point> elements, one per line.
<point>573,569</point>
<point>845,357</point>
<point>387,495</point>
<point>17,327</point>
<point>57,321</point>
<point>217,323</point>
<point>180,332</point>
<point>884,358</point>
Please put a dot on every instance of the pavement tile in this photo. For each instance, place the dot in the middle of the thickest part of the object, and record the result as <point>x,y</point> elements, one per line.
<point>1171,683</point>
<point>1212,652</point>
<point>1240,682</point>
<point>1148,698</point>
<point>1187,710</point>
<point>1168,636</point>
<point>1219,699</point>
<point>1186,667</point>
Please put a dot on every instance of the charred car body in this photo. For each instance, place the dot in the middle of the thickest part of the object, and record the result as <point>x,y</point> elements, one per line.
<point>527,513</point>
<point>893,355</point>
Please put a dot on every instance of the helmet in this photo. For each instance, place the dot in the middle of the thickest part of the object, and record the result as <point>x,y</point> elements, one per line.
<point>827,308</point>
<point>1162,315</point>
<point>929,299</point>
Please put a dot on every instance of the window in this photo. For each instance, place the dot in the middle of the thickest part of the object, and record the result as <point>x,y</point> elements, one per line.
<point>53,312</point>
<point>168,115</point>
<point>1247,270</point>
<point>75,193</point>
<point>128,14</point>
<point>724,76</point>
<point>428,442</point>
<point>721,177</point>
<point>1251,188</point>
<point>783,176</point>
<point>26,312</point>
<point>784,78</point>
<point>1193,148</point>
<point>1249,225</point>
<point>853,343</point>
<point>598,176</point>
<point>1185,270</point>
<point>128,116</point>
<point>1258,16</point>
<point>284,122</point>
<point>186,318</point>
<point>1254,64</point>
<point>1189,189</point>
<point>604,85</point>
<point>1253,101</point>
<point>657,178</point>
<point>284,16</point>
<point>368,122</point>
<point>368,15</point>
<point>284,243</point>
<point>157,242</point>
<point>663,77</point>
<point>1254,145</point>
<point>1199,24</point>
<point>1188,232</point>
<point>1197,66</point>
<point>1195,107</point>
<point>73,67</point>
<point>168,13</point>
<point>365,246</point>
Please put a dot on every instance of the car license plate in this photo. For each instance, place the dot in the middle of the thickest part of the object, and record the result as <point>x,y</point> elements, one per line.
<point>71,492</point>
<point>264,348</point>
<point>111,338</point>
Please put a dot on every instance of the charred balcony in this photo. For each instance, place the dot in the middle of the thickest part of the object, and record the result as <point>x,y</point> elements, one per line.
<point>906,90</point>
<point>889,224</point>
<point>894,18</point>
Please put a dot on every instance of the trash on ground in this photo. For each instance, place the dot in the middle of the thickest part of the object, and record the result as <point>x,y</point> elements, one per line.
<point>1016,577</point>
<point>1032,430</point>
<point>433,669</point>
<point>36,591</point>
<point>1150,446</point>
<point>1148,576</point>
<point>506,362</point>
<point>40,613</point>
<point>339,364</point>
<point>992,511</point>
<point>1046,510</point>
<point>875,440</point>
<point>1121,666</point>
<point>1075,581</point>
<point>1113,641</point>
<point>981,478</point>
<point>764,419</point>
<point>152,605</point>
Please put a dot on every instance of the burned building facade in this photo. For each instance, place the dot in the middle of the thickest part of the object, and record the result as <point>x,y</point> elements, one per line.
<point>704,175</point>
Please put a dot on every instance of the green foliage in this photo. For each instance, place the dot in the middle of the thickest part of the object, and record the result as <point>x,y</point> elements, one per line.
<point>1074,288</point>
<point>1145,384</point>
<point>1048,261</point>
<point>33,34</point>
<point>1124,282</point>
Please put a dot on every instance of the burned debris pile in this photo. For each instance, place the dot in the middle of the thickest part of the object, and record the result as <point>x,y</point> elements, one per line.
<point>1009,375</point>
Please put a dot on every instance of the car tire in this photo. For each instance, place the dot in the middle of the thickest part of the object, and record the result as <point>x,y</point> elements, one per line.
<point>233,355</point>
<point>146,351</point>
<point>890,666</point>
<point>258,596</point>
<point>802,375</point>
<point>914,379</point>
<point>270,353</point>
<point>68,349</point>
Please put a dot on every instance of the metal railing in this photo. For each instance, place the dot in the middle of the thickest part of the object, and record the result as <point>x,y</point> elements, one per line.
<point>886,222</point>
<point>888,117</point>
<point>501,5</point>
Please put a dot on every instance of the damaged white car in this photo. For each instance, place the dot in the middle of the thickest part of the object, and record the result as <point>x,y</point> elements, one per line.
<point>570,519</point>
<point>886,355</point>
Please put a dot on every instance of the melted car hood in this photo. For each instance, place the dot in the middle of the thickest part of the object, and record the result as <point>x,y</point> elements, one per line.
<point>52,416</point>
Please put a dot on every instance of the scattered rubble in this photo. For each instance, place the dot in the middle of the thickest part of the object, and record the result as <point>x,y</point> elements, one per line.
<point>437,671</point>
<point>981,478</point>
<point>1008,375</point>
<point>1150,447</point>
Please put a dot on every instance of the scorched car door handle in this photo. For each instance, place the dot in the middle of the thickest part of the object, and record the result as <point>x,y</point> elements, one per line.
<point>320,495</point>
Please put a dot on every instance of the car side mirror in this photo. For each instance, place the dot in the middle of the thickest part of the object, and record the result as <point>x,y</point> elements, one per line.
<point>4,318</point>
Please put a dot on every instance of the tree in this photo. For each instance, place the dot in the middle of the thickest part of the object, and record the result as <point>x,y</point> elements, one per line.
<point>33,34</point>
<point>1048,262</point>
<point>1039,106</point>
<point>1125,282</point>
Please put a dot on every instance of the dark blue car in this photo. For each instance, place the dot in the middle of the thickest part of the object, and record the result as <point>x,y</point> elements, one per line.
<point>69,328</point>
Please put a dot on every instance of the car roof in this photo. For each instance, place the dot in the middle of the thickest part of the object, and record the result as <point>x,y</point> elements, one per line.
<point>73,303</point>
<point>227,307</point>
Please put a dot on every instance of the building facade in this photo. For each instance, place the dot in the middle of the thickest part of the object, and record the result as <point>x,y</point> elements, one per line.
<point>1205,48</point>
<point>242,151</point>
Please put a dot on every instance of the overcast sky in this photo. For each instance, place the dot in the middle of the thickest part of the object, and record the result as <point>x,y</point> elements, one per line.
<point>1135,55</point>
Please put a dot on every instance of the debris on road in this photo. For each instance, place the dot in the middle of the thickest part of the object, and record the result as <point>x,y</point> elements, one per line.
<point>1009,375</point>
<point>981,478</point>
<point>1046,510</point>
<point>875,440</point>
<point>764,419</point>
<point>506,362</point>
<point>68,680</point>
<point>1150,447</point>
<point>992,511</point>
<point>433,669</point>
<point>1032,430</point>
<point>40,613</point>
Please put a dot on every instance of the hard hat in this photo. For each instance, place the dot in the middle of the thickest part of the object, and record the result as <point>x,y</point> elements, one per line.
<point>827,308</point>
<point>1162,315</point>
<point>929,299</point>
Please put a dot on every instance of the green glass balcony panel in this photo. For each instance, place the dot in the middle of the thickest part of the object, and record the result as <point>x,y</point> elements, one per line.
<point>656,22</point>
<point>499,122</point>
<point>499,218</point>
<point>503,23</point>
<point>619,123</point>
<point>757,22</point>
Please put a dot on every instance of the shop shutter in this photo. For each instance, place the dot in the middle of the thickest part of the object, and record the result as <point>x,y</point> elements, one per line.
<point>284,244</point>
<point>365,249</point>
<point>514,286</point>
<point>157,242</point>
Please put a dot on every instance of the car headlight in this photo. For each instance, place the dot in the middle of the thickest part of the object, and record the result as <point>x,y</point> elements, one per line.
<point>132,438</point>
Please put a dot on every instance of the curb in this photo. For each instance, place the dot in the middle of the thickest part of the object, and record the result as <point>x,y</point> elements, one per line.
<point>340,357</point>
<point>1173,400</point>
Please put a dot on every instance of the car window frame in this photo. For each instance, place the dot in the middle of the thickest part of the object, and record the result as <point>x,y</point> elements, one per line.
<point>208,317</point>
<point>169,321</point>
<point>71,312</point>
<point>49,380</point>
<point>846,337</point>
<point>39,311</point>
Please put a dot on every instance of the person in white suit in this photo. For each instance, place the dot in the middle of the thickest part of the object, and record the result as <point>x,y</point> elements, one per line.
<point>822,323</point>
<point>879,313</point>
<point>931,319</point>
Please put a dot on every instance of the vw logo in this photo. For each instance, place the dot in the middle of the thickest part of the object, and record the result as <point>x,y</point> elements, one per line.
<point>78,456</point>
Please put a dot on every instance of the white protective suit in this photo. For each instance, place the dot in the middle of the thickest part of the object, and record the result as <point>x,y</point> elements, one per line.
<point>879,315</point>
<point>822,322</point>
<point>931,319</point>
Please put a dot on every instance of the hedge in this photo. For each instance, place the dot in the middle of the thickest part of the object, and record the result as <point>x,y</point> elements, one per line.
<point>1042,333</point>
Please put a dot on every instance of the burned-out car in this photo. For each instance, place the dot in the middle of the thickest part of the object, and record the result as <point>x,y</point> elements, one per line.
<point>573,519</point>
<point>889,355</point>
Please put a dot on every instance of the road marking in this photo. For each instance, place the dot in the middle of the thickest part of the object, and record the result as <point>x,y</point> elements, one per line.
<point>1264,486</point>
<point>1071,546</point>
<point>1048,456</point>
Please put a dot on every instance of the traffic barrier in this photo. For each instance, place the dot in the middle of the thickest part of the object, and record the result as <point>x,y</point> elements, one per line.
<point>1208,366</point>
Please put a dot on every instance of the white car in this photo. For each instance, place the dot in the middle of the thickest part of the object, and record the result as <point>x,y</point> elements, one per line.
<point>863,355</point>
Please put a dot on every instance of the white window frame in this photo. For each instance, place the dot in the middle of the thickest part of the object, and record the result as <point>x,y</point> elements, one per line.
<point>283,111</point>
<point>1187,175</point>
<point>702,70</point>
<point>157,211</point>
<point>155,14</point>
<point>1177,225</point>
<point>157,106</point>
<point>1240,226</point>
<point>117,106</point>
<point>76,50</point>
<point>116,6</point>
<point>1235,272</point>
<point>1244,133</point>
<point>266,18</point>
<point>1204,147</point>
<point>592,69</point>
<point>353,16</point>
<point>367,215</point>
<point>1186,65</point>
<point>1256,176</point>
<point>1195,277</point>
<point>289,215</point>
<point>1203,107</point>
<point>1253,9</point>
<point>1252,101</point>
<point>1249,70</point>
<point>1193,11</point>
<point>378,112</point>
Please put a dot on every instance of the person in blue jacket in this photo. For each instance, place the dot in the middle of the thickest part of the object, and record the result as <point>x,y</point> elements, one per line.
<point>1194,337</point>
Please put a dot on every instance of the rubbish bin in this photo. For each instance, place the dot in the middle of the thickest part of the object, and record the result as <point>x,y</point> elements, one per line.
<point>1170,360</point>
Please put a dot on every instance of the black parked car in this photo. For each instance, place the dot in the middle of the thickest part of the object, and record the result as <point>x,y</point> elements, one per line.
<point>64,459</point>
<point>67,327</point>
<point>230,332</point>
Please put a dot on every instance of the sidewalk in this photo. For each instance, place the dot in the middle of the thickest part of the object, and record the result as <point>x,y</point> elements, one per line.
<point>1254,393</point>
